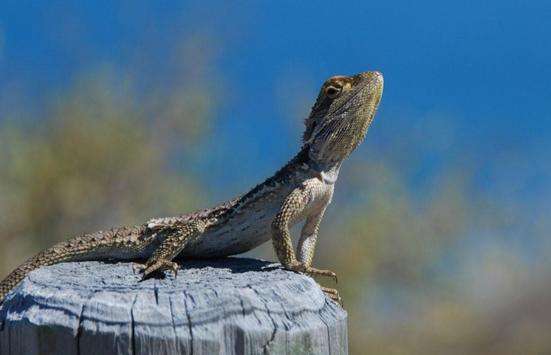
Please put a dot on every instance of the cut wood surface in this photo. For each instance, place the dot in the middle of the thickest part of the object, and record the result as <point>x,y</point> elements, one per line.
<point>225,306</point>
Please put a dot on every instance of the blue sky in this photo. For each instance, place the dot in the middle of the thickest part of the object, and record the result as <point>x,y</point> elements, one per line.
<point>481,68</point>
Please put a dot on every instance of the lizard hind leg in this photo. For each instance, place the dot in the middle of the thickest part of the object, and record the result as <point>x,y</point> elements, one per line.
<point>177,238</point>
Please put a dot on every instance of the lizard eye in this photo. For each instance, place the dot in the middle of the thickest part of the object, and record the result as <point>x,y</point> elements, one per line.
<point>332,91</point>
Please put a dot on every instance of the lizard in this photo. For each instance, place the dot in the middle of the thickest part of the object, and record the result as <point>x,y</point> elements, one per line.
<point>299,192</point>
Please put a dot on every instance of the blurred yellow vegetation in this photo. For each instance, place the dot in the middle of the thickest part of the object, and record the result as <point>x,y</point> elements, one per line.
<point>98,157</point>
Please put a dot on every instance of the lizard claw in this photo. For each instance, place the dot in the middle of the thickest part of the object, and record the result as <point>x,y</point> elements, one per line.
<point>333,294</point>
<point>300,267</point>
<point>158,266</point>
<point>138,267</point>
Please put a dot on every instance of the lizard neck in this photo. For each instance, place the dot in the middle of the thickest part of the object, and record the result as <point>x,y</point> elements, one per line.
<point>301,167</point>
<point>328,172</point>
<point>298,169</point>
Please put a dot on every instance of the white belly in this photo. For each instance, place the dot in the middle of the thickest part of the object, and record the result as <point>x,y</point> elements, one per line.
<point>251,226</point>
<point>241,233</point>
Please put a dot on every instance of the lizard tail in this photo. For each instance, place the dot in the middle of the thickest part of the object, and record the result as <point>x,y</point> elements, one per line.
<point>47,257</point>
<point>120,243</point>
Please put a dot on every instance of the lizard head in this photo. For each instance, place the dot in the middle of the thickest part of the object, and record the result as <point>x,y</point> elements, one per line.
<point>341,115</point>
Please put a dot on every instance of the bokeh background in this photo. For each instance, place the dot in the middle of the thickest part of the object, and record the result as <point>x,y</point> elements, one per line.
<point>112,113</point>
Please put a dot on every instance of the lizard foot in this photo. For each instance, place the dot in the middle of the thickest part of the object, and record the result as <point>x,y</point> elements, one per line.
<point>332,294</point>
<point>138,268</point>
<point>300,267</point>
<point>158,266</point>
<point>322,272</point>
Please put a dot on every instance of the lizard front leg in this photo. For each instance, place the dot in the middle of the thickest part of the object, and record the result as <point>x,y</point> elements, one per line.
<point>174,243</point>
<point>293,206</point>
<point>307,246</point>
<point>308,238</point>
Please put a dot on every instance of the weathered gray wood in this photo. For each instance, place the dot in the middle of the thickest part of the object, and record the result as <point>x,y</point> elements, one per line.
<point>226,306</point>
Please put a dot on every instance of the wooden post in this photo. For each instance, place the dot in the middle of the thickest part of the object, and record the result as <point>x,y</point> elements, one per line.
<point>225,306</point>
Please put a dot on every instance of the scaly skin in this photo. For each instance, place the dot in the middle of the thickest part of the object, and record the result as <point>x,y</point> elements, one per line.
<point>300,191</point>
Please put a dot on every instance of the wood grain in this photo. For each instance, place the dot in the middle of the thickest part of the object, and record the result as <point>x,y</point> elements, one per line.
<point>225,306</point>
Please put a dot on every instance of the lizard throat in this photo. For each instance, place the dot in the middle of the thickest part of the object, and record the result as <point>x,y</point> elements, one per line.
<point>328,172</point>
